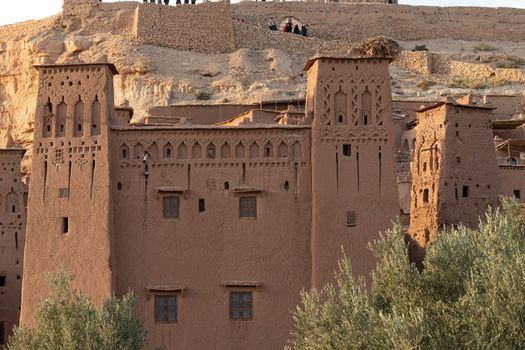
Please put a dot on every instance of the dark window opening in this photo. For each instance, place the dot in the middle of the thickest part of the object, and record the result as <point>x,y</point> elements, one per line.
<point>286,185</point>
<point>517,194</point>
<point>340,119</point>
<point>425,195</point>
<point>425,166</point>
<point>79,127</point>
<point>2,336</point>
<point>2,281</point>
<point>211,152</point>
<point>171,207</point>
<point>351,219</point>
<point>48,128</point>
<point>168,152</point>
<point>347,150</point>
<point>458,160</point>
<point>65,225</point>
<point>465,191</point>
<point>457,133</point>
<point>365,120</point>
<point>241,306</point>
<point>125,153</point>
<point>165,308</point>
<point>202,206</point>
<point>248,207</point>
<point>13,208</point>
<point>119,186</point>
<point>226,186</point>
<point>267,152</point>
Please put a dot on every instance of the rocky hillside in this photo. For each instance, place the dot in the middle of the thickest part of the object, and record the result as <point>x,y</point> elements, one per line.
<point>263,66</point>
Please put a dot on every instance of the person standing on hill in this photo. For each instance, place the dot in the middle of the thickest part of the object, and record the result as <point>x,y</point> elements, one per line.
<point>271,24</point>
<point>304,31</point>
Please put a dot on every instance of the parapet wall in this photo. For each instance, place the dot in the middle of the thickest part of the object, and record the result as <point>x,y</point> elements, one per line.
<point>426,63</point>
<point>205,28</point>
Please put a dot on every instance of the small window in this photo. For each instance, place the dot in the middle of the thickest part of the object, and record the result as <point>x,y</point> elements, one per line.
<point>2,336</point>
<point>241,306</point>
<point>517,194</point>
<point>124,153</point>
<point>286,185</point>
<point>119,186</point>
<point>210,151</point>
<point>340,119</point>
<point>465,191</point>
<point>2,281</point>
<point>425,166</point>
<point>63,192</point>
<point>458,160</point>
<point>347,150</point>
<point>171,207</point>
<point>351,219</point>
<point>202,206</point>
<point>425,195</point>
<point>226,186</point>
<point>248,207</point>
<point>165,308</point>
<point>65,225</point>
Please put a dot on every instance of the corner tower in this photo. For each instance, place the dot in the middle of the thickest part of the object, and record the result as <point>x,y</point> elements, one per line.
<point>354,194</point>
<point>69,223</point>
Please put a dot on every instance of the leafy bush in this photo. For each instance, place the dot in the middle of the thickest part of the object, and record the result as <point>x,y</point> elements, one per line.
<point>67,320</point>
<point>484,47</point>
<point>469,295</point>
<point>422,47</point>
<point>511,62</point>
<point>469,83</point>
<point>425,84</point>
<point>202,96</point>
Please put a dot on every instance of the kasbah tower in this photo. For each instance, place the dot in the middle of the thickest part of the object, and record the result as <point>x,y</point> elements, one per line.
<point>207,217</point>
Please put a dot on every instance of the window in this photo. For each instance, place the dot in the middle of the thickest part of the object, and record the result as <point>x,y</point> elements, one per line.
<point>165,308</point>
<point>65,225</point>
<point>241,306</point>
<point>465,191</point>
<point>517,194</point>
<point>425,195</point>
<point>202,206</point>
<point>226,186</point>
<point>2,281</point>
<point>210,152</point>
<point>248,207</point>
<point>347,150</point>
<point>2,341</point>
<point>350,219</point>
<point>171,207</point>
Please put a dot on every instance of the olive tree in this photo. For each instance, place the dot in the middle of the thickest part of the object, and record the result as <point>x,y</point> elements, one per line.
<point>67,320</point>
<point>469,295</point>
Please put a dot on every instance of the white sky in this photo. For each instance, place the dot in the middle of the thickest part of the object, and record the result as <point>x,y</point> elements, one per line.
<point>12,11</point>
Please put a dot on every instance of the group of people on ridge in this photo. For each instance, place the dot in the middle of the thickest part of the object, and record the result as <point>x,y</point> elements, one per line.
<point>167,2</point>
<point>289,27</point>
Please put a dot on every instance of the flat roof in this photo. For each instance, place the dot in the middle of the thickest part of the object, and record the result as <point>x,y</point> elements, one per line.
<point>439,104</point>
<point>312,60</point>
<point>111,66</point>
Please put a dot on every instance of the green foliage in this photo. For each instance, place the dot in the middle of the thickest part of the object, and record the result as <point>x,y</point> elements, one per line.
<point>422,47</point>
<point>67,320</point>
<point>484,47</point>
<point>470,294</point>
<point>426,84</point>
<point>511,62</point>
<point>204,96</point>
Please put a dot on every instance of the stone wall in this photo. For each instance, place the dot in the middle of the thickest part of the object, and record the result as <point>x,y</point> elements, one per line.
<point>423,62</point>
<point>205,28</point>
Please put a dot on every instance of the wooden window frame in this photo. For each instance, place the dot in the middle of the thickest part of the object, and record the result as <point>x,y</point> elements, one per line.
<point>166,311</point>
<point>241,309</point>
<point>242,212</point>
<point>164,208</point>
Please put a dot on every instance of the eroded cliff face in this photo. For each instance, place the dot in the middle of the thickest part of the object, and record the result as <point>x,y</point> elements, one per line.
<point>148,75</point>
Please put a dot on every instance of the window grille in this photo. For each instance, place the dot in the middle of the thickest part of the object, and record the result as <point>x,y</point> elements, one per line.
<point>171,207</point>
<point>165,308</point>
<point>248,207</point>
<point>350,219</point>
<point>241,306</point>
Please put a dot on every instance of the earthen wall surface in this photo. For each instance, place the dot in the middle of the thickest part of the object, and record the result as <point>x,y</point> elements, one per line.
<point>12,237</point>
